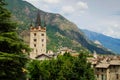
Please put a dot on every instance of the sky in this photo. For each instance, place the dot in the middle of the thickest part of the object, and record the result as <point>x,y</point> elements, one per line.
<point>102,16</point>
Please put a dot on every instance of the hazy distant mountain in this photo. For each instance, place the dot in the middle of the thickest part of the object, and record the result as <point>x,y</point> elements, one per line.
<point>60,31</point>
<point>108,42</point>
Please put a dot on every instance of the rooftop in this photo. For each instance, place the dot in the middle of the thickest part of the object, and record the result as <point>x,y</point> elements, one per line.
<point>115,62</point>
<point>102,65</point>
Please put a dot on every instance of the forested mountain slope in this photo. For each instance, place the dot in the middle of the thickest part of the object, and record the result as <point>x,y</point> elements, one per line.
<point>60,31</point>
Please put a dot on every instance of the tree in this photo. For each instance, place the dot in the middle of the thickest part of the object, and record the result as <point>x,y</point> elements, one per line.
<point>64,67</point>
<point>36,70</point>
<point>12,48</point>
<point>82,69</point>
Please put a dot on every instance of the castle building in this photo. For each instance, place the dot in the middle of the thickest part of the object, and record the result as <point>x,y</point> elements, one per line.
<point>37,38</point>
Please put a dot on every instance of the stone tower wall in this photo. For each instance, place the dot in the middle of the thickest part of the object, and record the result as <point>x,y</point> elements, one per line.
<point>37,41</point>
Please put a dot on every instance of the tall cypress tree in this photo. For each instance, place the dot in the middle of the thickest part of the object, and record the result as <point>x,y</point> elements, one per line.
<point>12,48</point>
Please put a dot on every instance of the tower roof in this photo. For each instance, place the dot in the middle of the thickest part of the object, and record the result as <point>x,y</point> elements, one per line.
<point>45,21</point>
<point>38,19</point>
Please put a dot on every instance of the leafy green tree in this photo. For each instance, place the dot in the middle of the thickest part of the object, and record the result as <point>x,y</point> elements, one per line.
<point>82,69</point>
<point>64,67</point>
<point>12,48</point>
<point>36,71</point>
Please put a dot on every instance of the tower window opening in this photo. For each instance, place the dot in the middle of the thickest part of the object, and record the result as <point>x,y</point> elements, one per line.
<point>42,40</point>
<point>34,34</point>
<point>42,45</point>
<point>42,34</point>
<point>35,40</point>
<point>34,45</point>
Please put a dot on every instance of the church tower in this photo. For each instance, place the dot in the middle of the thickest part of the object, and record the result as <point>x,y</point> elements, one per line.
<point>37,38</point>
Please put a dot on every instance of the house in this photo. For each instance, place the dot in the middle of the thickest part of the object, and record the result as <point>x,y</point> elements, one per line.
<point>108,70</point>
<point>43,57</point>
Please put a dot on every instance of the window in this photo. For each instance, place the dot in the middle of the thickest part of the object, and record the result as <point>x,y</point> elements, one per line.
<point>42,40</point>
<point>97,75</point>
<point>42,34</point>
<point>34,34</point>
<point>113,67</point>
<point>34,45</point>
<point>102,70</point>
<point>117,76</point>
<point>102,76</point>
<point>35,40</point>
<point>42,45</point>
<point>97,70</point>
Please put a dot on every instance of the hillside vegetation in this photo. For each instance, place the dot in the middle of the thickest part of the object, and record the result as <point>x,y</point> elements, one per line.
<point>60,31</point>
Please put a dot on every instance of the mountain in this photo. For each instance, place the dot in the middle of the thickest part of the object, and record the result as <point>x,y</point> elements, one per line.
<point>108,42</point>
<point>60,31</point>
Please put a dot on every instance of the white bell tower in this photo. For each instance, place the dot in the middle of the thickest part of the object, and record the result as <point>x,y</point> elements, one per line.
<point>37,38</point>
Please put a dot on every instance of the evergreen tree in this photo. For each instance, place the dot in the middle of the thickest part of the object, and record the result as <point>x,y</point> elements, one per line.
<point>12,48</point>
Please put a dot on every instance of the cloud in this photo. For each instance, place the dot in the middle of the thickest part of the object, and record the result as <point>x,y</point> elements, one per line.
<point>113,30</point>
<point>52,1</point>
<point>110,28</point>
<point>74,8</point>
<point>45,7</point>
<point>82,5</point>
<point>67,9</point>
<point>117,13</point>
<point>116,25</point>
<point>87,14</point>
<point>64,7</point>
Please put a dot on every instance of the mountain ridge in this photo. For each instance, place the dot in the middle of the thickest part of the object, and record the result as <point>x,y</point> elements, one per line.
<point>25,13</point>
<point>107,41</point>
